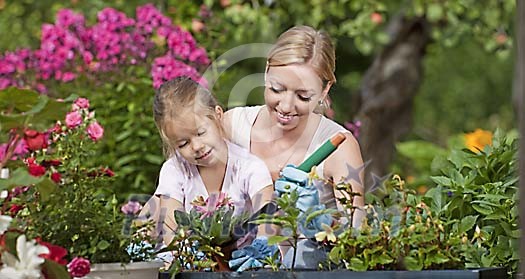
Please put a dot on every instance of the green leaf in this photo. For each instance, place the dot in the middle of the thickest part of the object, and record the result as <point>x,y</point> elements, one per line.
<point>54,270</point>
<point>356,264</point>
<point>8,122</point>
<point>103,245</point>
<point>434,12</point>
<point>441,180</point>
<point>21,100</point>
<point>483,210</point>
<point>412,263</point>
<point>45,188</point>
<point>435,194</point>
<point>154,159</point>
<point>467,223</point>
<point>275,239</point>
<point>19,177</point>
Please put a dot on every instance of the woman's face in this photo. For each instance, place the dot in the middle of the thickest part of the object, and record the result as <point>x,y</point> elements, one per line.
<point>292,93</point>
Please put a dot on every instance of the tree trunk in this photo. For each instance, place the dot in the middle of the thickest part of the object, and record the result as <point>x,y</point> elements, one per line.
<point>387,93</point>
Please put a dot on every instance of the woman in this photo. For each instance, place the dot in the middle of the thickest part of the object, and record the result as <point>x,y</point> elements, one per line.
<point>290,126</point>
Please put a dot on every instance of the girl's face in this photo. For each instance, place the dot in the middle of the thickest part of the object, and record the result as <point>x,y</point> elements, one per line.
<point>198,139</point>
<point>292,93</point>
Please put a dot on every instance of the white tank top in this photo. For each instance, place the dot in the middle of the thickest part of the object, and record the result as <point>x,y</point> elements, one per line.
<point>243,119</point>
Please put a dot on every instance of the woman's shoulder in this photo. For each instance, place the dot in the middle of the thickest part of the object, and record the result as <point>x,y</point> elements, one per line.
<point>237,114</point>
<point>238,123</point>
<point>325,130</point>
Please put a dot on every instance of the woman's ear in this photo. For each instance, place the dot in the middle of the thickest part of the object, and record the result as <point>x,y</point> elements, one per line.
<point>219,112</point>
<point>326,90</point>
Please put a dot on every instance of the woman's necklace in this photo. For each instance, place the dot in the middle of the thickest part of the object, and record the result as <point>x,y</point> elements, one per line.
<point>283,163</point>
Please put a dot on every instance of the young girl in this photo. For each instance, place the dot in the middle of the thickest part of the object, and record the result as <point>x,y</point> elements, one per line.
<point>200,161</point>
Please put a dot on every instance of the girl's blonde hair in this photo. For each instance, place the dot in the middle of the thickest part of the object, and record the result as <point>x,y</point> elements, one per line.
<point>180,97</point>
<point>305,45</point>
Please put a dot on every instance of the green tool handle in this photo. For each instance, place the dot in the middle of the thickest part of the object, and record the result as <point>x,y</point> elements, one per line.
<point>322,152</point>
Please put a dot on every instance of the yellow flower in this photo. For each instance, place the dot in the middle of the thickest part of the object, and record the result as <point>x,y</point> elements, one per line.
<point>478,139</point>
<point>328,233</point>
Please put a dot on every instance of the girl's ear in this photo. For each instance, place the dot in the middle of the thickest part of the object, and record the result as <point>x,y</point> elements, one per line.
<point>219,112</point>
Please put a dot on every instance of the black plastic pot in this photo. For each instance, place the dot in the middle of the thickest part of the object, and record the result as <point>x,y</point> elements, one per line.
<point>483,273</point>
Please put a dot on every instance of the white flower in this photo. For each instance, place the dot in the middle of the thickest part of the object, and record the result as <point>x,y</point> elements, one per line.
<point>27,266</point>
<point>328,233</point>
<point>5,221</point>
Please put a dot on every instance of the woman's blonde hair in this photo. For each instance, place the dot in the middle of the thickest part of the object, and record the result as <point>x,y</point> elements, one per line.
<point>179,97</point>
<point>305,45</point>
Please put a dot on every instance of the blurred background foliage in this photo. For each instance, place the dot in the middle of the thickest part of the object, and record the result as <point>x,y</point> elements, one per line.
<point>467,84</point>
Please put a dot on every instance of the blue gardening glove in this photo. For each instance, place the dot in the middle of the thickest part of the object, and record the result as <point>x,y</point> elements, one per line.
<point>316,224</point>
<point>251,256</point>
<point>295,179</point>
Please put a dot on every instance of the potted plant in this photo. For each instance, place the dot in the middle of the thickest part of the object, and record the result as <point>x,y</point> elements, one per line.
<point>205,236</point>
<point>55,197</point>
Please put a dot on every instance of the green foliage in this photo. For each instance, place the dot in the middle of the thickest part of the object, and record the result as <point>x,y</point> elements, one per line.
<point>472,87</point>
<point>400,232</point>
<point>25,109</point>
<point>482,188</point>
<point>287,221</point>
<point>131,144</point>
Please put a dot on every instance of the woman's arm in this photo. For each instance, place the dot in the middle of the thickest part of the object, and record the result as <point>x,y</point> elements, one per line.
<point>227,124</point>
<point>346,163</point>
<point>260,199</point>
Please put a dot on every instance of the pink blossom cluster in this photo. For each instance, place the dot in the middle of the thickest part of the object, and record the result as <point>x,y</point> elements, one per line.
<point>69,48</point>
<point>31,140</point>
<point>80,115</point>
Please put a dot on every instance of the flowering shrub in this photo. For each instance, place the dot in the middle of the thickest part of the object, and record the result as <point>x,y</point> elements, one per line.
<point>69,48</point>
<point>58,200</point>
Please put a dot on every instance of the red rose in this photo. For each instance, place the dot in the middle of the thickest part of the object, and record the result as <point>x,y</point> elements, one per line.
<point>15,208</point>
<point>36,170</point>
<point>56,177</point>
<point>56,253</point>
<point>35,140</point>
<point>109,172</point>
<point>78,267</point>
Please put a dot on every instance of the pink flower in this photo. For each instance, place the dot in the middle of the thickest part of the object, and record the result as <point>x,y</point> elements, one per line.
<point>213,203</point>
<point>73,119</point>
<point>95,131</point>
<point>68,76</point>
<point>79,267</point>
<point>82,103</point>
<point>131,208</point>
<point>353,127</point>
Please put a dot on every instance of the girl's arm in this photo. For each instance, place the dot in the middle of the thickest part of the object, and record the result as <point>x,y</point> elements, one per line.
<point>167,217</point>
<point>346,162</point>
<point>160,210</point>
